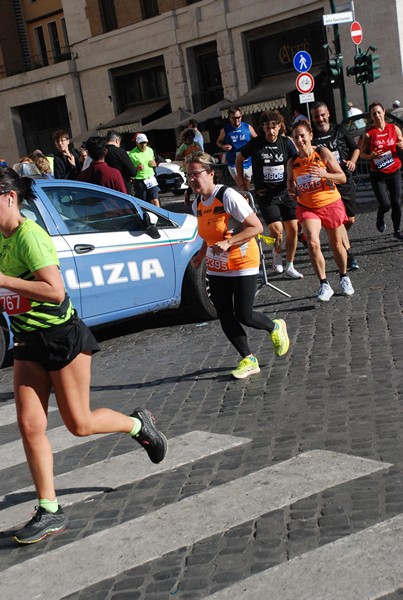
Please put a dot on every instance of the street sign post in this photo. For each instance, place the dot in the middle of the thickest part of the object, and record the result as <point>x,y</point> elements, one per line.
<point>337,18</point>
<point>302,61</point>
<point>356,33</point>
<point>305,83</point>
<point>306,98</point>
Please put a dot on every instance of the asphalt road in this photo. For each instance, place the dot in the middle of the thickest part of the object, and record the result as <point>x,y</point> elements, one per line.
<point>287,485</point>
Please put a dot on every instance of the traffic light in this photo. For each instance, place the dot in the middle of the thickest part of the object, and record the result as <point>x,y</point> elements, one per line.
<point>361,68</point>
<point>373,68</point>
<point>333,69</point>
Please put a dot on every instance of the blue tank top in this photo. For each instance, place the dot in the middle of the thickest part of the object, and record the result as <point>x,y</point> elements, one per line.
<point>237,137</point>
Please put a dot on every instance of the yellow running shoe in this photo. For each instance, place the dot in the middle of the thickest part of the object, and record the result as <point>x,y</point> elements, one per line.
<point>279,338</point>
<point>247,366</point>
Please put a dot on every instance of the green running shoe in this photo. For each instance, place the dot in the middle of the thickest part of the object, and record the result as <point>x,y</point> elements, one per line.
<point>279,338</point>
<point>246,367</point>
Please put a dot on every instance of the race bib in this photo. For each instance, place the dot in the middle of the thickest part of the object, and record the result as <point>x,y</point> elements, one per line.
<point>150,182</point>
<point>273,173</point>
<point>216,262</point>
<point>12,303</point>
<point>308,182</point>
<point>384,161</point>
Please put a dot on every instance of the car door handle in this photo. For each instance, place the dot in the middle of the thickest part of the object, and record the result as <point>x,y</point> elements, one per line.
<point>83,248</point>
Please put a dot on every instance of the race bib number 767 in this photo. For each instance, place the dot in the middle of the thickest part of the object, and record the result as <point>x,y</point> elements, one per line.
<point>12,303</point>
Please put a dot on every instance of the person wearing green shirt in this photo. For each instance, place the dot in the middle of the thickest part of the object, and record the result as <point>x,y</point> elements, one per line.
<point>145,184</point>
<point>52,350</point>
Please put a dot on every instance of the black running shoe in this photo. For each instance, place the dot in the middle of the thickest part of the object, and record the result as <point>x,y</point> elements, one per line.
<point>352,264</point>
<point>153,441</point>
<point>398,235</point>
<point>42,524</point>
<point>380,222</point>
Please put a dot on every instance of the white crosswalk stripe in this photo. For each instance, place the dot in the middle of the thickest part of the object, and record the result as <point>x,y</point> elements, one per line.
<point>8,416</point>
<point>12,454</point>
<point>368,564</point>
<point>184,523</point>
<point>90,481</point>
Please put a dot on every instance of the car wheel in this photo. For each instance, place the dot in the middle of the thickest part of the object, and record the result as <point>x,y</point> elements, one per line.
<point>196,294</point>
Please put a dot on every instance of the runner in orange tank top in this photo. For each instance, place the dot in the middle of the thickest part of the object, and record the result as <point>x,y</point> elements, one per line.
<point>312,179</point>
<point>228,227</point>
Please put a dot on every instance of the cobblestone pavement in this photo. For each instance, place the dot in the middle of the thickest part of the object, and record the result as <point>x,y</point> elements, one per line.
<point>338,389</point>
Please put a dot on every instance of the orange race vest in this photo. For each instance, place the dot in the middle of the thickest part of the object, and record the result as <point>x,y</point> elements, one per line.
<point>215,225</point>
<point>313,192</point>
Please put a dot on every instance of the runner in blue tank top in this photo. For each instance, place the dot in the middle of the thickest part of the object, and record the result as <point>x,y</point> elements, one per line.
<point>232,138</point>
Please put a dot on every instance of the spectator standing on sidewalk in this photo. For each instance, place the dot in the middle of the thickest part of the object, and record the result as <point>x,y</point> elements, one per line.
<point>228,226</point>
<point>52,351</point>
<point>379,146</point>
<point>99,172</point>
<point>270,154</point>
<point>347,153</point>
<point>232,138</point>
<point>312,179</point>
<point>117,158</point>
<point>66,162</point>
<point>145,185</point>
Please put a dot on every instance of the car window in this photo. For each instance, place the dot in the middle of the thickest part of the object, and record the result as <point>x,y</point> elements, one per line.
<point>29,210</point>
<point>89,211</point>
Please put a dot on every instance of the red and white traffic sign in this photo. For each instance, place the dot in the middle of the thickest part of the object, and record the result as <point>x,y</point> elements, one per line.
<point>305,83</point>
<point>356,32</point>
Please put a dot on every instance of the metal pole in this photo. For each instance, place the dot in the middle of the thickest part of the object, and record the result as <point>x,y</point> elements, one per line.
<point>337,48</point>
<point>365,95</point>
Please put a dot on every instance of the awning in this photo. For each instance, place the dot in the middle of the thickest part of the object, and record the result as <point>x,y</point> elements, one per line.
<point>130,119</point>
<point>170,121</point>
<point>269,94</point>
<point>211,112</point>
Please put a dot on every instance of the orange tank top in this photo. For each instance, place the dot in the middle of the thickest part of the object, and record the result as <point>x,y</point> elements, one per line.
<point>313,192</point>
<point>215,224</point>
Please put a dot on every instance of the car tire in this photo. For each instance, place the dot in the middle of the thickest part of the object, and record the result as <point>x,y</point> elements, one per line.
<point>195,293</point>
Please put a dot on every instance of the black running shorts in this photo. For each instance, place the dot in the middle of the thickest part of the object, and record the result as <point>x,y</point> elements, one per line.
<point>56,347</point>
<point>276,208</point>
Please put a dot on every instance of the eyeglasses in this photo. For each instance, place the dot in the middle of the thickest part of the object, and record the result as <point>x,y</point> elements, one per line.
<point>4,192</point>
<point>236,117</point>
<point>195,174</point>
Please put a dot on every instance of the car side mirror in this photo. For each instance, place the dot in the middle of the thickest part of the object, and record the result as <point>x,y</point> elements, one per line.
<point>150,227</point>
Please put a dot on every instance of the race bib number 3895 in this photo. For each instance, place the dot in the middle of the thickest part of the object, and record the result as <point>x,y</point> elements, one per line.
<point>12,303</point>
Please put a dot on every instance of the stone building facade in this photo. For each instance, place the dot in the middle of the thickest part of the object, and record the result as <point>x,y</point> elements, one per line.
<point>124,63</point>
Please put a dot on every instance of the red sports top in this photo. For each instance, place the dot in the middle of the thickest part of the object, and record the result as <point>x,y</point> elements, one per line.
<point>388,161</point>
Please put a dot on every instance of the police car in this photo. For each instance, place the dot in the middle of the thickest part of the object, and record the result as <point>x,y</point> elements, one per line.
<point>119,256</point>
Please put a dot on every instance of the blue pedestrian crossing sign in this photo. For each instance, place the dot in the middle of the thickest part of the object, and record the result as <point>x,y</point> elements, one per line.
<point>302,61</point>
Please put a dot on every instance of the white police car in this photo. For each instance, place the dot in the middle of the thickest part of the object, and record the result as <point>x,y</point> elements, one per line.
<point>119,256</point>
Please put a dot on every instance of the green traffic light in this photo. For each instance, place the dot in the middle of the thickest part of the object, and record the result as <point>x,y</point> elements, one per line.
<point>373,68</point>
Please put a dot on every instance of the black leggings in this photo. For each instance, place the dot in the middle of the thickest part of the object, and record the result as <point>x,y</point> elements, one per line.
<point>387,190</point>
<point>233,299</point>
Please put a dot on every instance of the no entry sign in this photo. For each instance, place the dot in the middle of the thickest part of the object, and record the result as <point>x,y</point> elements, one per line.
<point>356,33</point>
